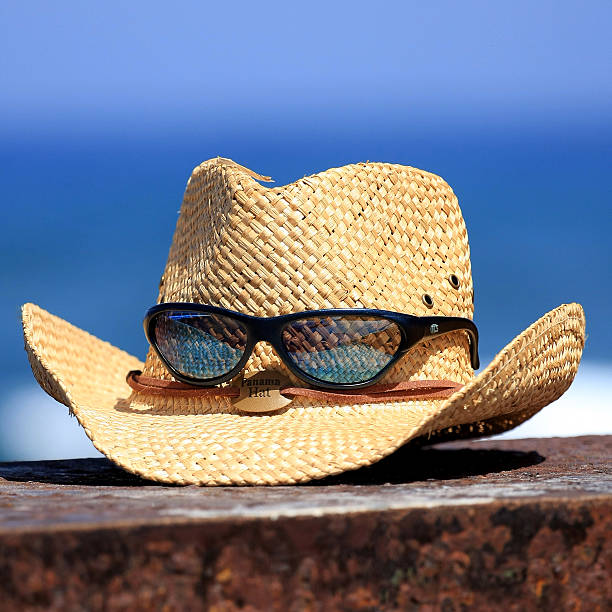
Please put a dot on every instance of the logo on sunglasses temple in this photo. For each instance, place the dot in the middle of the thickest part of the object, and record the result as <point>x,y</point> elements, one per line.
<point>433,328</point>
<point>261,392</point>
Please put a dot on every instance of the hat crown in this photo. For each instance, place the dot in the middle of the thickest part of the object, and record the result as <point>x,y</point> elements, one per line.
<point>368,235</point>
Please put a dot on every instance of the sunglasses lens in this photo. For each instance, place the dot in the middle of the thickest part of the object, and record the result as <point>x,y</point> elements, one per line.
<point>200,345</point>
<point>342,349</point>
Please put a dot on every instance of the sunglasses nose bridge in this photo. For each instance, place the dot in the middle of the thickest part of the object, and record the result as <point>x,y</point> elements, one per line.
<point>260,330</point>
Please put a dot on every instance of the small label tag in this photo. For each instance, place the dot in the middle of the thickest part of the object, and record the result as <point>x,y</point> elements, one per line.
<point>261,392</point>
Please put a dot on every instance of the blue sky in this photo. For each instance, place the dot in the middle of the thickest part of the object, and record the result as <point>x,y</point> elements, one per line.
<point>78,66</point>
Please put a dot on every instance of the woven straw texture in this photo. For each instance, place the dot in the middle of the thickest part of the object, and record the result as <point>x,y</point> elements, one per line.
<point>365,235</point>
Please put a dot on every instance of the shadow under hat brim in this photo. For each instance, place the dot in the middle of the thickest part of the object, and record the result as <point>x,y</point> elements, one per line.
<point>200,441</point>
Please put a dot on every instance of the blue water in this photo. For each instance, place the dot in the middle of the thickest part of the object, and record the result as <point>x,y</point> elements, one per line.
<point>87,223</point>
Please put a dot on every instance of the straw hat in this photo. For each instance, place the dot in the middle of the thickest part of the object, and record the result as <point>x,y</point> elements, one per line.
<point>368,235</point>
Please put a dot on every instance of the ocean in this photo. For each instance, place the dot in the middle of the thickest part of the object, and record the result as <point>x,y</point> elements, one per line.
<point>87,222</point>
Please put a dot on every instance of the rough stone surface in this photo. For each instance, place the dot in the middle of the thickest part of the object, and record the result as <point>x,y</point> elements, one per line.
<point>524,524</point>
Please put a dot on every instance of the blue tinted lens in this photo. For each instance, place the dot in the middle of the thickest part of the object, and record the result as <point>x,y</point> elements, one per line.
<point>342,349</point>
<point>200,345</point>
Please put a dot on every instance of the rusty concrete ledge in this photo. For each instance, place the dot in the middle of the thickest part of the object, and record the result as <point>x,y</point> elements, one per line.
<point>524,524</point>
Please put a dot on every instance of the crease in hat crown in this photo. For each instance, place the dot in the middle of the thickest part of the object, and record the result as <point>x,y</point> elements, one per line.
<point>370,235</point>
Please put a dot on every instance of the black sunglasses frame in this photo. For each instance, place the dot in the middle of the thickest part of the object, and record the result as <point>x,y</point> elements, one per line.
<point>413,330</point>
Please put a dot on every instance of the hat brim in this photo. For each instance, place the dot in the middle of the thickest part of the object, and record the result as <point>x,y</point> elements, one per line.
<point>201,441</point>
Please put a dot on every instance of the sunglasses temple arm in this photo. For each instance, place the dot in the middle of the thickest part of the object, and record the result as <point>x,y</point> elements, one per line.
<point>436,326</point>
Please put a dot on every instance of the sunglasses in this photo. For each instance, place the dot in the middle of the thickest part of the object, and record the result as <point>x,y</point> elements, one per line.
<point>205,345</point>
